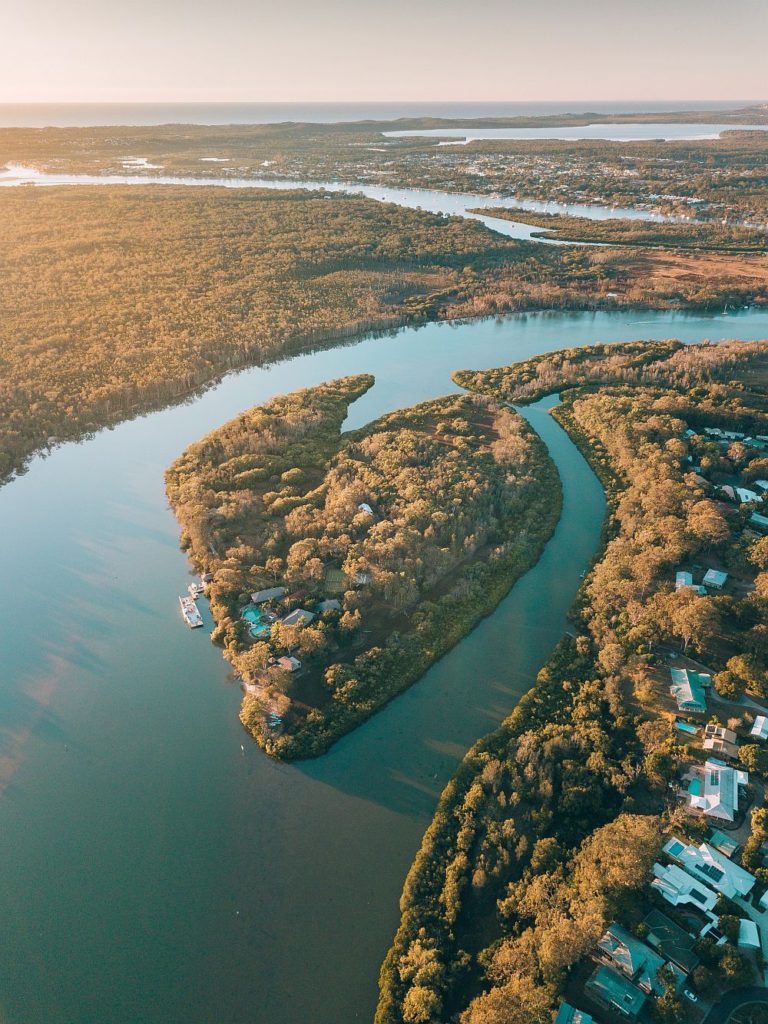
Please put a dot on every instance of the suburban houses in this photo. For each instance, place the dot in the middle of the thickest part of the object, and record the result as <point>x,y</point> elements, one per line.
<point>714,789</point>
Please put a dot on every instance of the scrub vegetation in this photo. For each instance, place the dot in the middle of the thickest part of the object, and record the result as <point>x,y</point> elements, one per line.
<point>390,542</point>
<point>686,235</point>
<point>115,301</point>
<point>549,828</point>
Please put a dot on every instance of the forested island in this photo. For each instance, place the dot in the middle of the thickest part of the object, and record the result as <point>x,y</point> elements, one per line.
<point>549,830</point>
<point>344,564</point>
<point>115,301</point>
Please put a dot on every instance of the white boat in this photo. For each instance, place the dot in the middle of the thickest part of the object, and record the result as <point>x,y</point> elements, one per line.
<point>189,610</point>
<point>195,591</point>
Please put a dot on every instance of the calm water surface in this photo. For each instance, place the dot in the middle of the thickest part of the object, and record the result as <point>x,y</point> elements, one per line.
<point>154,872</point>
<point>455,203</point>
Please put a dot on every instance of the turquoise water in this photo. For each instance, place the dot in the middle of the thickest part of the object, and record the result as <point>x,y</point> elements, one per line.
<point>686,727</point>
<point>251,615</point>
<point>152,870</point>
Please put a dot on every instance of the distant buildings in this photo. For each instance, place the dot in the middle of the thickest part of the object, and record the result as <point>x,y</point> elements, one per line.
<point>688,689</point>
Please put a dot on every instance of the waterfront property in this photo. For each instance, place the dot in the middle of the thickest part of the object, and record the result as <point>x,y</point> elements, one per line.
<point>688,689</point>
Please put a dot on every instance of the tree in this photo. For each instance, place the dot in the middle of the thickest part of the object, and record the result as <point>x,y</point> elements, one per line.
<point>693,617</point>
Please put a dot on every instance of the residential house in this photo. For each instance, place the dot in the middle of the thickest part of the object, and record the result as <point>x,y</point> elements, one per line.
<point>614,992</point>
<point>671,941</point>
<point>760,521</point>
<point>365,507</point>
<point>678,888</point>
<point>567,1014</point>
<point>706,864</point>
<point>746,494</point>
<point>760,727</point>
<point>289,664</point>
<point>298,617</point>
<point>714,789</point>
<point>270,594</point>
<point>721,741</point>
<point>634,959</point>
<point>329,605</point>
<point>684,581</point>
<point>714,579</point>
<point>688,689</point>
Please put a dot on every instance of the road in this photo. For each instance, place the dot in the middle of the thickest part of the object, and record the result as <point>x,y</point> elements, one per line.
<point>732,1001</point>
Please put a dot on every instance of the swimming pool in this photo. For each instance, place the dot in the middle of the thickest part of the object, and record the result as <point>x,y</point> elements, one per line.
<point>686,727</point>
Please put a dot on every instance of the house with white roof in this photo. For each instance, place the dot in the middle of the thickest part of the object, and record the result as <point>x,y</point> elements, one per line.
<point>746,494</point>
<point>749,936</point>
<point>679,888</point>
<point>714,789</point>
<point>707,865</point>
<point>760,727</point>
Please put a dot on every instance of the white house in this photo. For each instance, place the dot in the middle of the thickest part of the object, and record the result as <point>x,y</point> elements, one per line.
<point>745,494</point>
<point>678,888</point>
<point>714,789</point>
<point>709,866</point>
<point>760,727</point>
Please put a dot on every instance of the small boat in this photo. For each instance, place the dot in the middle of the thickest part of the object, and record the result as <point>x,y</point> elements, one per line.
<point>195,590</point>
<point>189,610</point>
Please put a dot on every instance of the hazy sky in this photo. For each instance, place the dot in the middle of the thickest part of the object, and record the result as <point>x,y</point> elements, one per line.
<point>294,50</point>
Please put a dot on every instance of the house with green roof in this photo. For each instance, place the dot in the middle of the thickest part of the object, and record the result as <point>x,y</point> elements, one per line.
<point>615,992</point>
<point>688,689</point>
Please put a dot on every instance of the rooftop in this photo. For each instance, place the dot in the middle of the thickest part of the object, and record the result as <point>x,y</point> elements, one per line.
<point>714,789</point>
<point>671,941</point>
<point>614,990</point>
<point>710,866</point>
<point>688,689</point>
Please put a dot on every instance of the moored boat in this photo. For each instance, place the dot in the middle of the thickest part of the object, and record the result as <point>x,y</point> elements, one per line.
<point>190,611</point>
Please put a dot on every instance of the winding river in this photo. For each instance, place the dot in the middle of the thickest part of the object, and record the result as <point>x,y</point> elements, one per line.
<point>455,203</point>
<point>153,869</point>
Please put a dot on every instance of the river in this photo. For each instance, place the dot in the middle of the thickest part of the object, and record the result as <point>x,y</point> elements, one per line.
<point>454,203</point>
<point>152,870</point>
